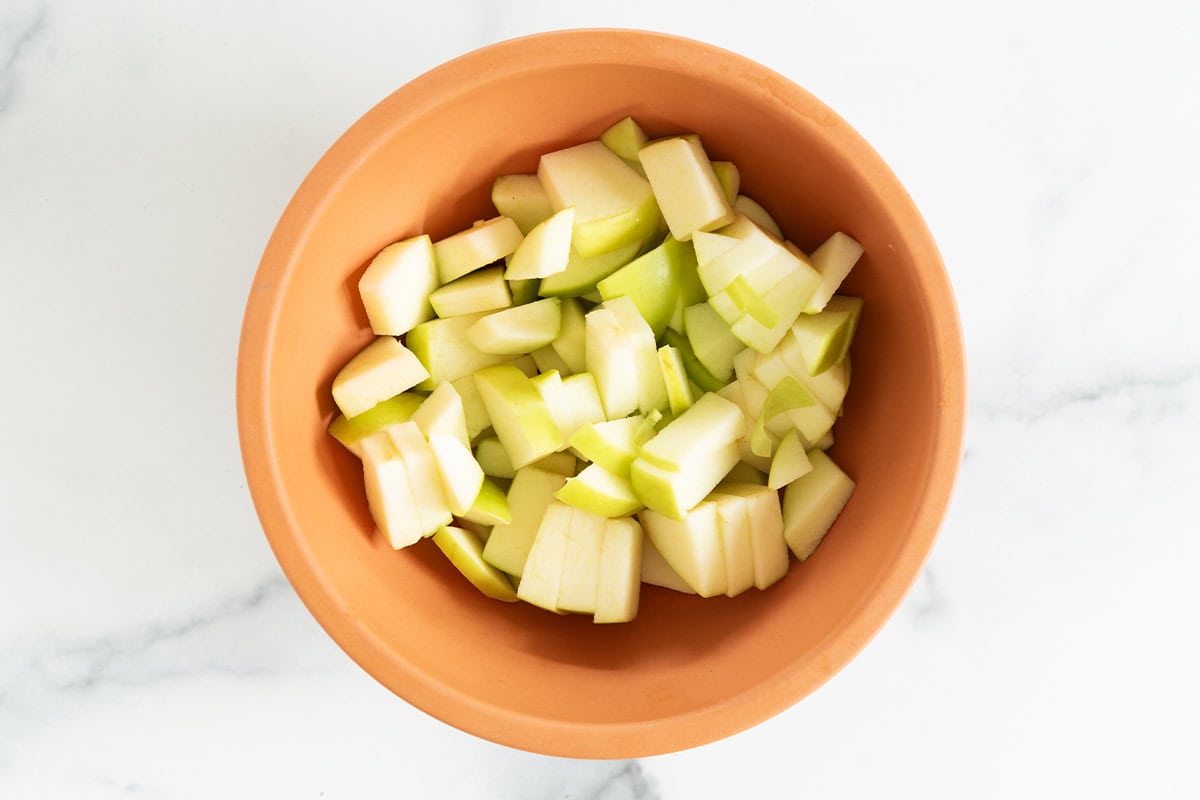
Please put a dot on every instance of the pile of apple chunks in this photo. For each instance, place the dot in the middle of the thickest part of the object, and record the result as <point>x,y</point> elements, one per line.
<point>628,376</point>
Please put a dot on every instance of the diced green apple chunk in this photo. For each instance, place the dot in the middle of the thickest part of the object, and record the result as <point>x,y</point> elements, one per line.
<point>824,337</point>
<point>657,572</point>
<point>424,476</point>
<point>517,330</point>
<point>833,261</point>
<point>545,250</point>
<point>481,244</point>
<point>756,213</point>
<point>350,431</point>
<point>490,507</point>
<point>789,462</point>
<point>465,551</point>
<point>443,348</point>
<point>531,493</point>
<point>691,546</point>
<point>473,293</point>
<point>618,587</point>
<point>382,369</point>
<point>395,288</point>
<point>674,492</point>
<point>389,496</point>
<point>730,179</point>
<point>581,563</point>
<point>598,491</point>
<point>519,415</point>
<point>653,281</point>
<point>542,571</point>
<point>713,344</point>
<point>521,198</point>
<point>626,138</point>
<point>462,477</point>
<point>689,195</point>
<point>813,502</point>
<point>443,412</point>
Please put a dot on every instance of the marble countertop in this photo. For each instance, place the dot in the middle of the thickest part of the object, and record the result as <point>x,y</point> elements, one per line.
<point>149,645</point>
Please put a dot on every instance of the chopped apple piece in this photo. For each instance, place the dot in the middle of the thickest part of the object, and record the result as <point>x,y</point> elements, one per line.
<point>833,261</point>
<point>598,491</point>
<point>583,273</point>
<point>389,498</point>
<point>618,587</point>
<point>473,293</point>
<point>612,362</point>
<point>490,507</point>
<point>545,250</point>
<point>396,286</point>
<point>710,424</point>
<point>768,547</point>
<point>521,198</point>
<point>626,138</point>
<point>475,247</point>
<point>730,179</point>
<point>350,431</point>
<point>517,330</point>
<point>713,344</point>
<point>674,492</point>
<point>424,477</point>
<point>657,572</point>
<point>532,491</point>
<point>789,462</point>
<point>541,574</point>
<point>813,502</point>
<point>759,215</point>
<point>519,415</point>
<point>443,412</point>
<point>641,346</point>
<point>733,520</point>
<point>691,546</point>
<point>653,281</point>
<point>824,338</point>
<point>444,350</point>
<point>382,369</point>
<point>462,477</point>
<point>465,551</point>
<point>581,563</point>
<point>679,390</point>
<point>689,195</point>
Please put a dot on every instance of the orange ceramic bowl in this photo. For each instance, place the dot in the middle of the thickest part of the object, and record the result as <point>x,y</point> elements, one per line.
<point>687,671</point>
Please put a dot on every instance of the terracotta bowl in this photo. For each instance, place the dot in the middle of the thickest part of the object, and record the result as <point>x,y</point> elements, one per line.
<point>687,671</point>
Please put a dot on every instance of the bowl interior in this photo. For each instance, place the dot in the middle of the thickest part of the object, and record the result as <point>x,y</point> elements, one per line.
<point>687,670</point>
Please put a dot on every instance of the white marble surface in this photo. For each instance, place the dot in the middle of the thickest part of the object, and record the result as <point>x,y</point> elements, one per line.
<point>149,646</point>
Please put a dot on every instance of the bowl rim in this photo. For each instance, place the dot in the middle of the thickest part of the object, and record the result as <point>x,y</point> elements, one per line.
<point>317,590</point>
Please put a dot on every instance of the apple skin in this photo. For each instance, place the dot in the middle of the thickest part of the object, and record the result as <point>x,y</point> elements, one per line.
<point>465,551</point>
<point>674,493</point>
<point>653,281</point>
<point>350,431</point>
<point>600,492</point>
<point>519,415</point>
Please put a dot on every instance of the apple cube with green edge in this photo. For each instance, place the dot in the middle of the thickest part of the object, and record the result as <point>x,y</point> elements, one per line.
<point>691,546</point>
<point>522,199</point>
<point>614,205</point>
<point>697,373</point>
<point>519,415</point>
<point>652,391</point>
<point>613,445</point>
<point>785,298</point>
<point>350,431</point>
<point>708,246</point>
<point>465,551</point>
<point>382,369</point>
<point>675,492</point>
<point>730,179</point>
<point>548,360</point>
<point>653,281</point>
<point>733,521</point>
<point>748,301</point>
<point>753,210</point>
<point>493,458</point>
<point>542,571</point>
<point>626,138</point>
<point>711,341</point>
<point>581,563</point>
<point>679,390</point>
<point>824,337</point>
<point>583,273</point>
<point>618,588</point>
<point>768,547</point>
<point>689,195</point>
<point>657,572</point>
<point>396,286</point>
<point>598,491</point>
<point>477,246</point>
<point>829,387</point>
<point>710,424</point>
<point>809,418</point>
<point>473,293</point>
<point>833,261</point>
<point>571,343</point>
<point>573,402</point>
<point>524,290</point>
<point>462,477</point>
<point>789,462</point>
<point>532,491</point>
<point>443,412</point>
<point>389,496</point>
<point>474,410</point>
<point>424,476</point>
<point>443,348</point>
<point>611,360</point>
<point>545,250</point>
<point>813,502</point>
<point>490,507</point>
<point>517,330</point>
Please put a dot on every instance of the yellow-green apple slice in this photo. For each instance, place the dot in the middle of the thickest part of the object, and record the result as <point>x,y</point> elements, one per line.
<point>493,458</point>
<point>691,546</point>
<point>696,371</point>
<point>548,360</point>
<point>350,431</point>
<point>598,491</point>
<point>824,337</point>
<point>490,507</point>
<point>389,497</point>
<point>679,389</point>
<point>443,412</point>
<point>444,350</point>
<point>626,138</point>
<point>614,205</point>
<point>813,502</point>
<point>618,587</point>
<point>689,195</point>
<point>581,563</point>
<point>611,361</point>
<point>833,261</point>
<point>753,211</point>
<point>541,573</point>
<point>573,402</point>
<point>749,301</point>
<point>521,198</point>
<point>713,344</point>
<point>789,462</point>
<point>465,551</point>
<point>462,477</point>
<point>708,246</point>
<point>829,387</point>
<point>571,344</point>
<point>382,369</point>
<point>531,492</point>
<point>785,299</point>
<point>517,330</point>
<point>473,293</point>
<point>733,520</point>
<point>711,423</point>
<point>396,286</point>
<point>642,347</point>
<point>786,396</point>
<point>473,409</point>
<point>657,572</point>
<point>730,178</point>
<point>767,544</point>
<point>583,273</point>
<point>545,250</point>
<point>613,444</point>
<point>674,492</point>
<point>424,477</point>
<point>481,244</point>
<point>653,281</point>
<point>524,290</point>
<point>519,415</point>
